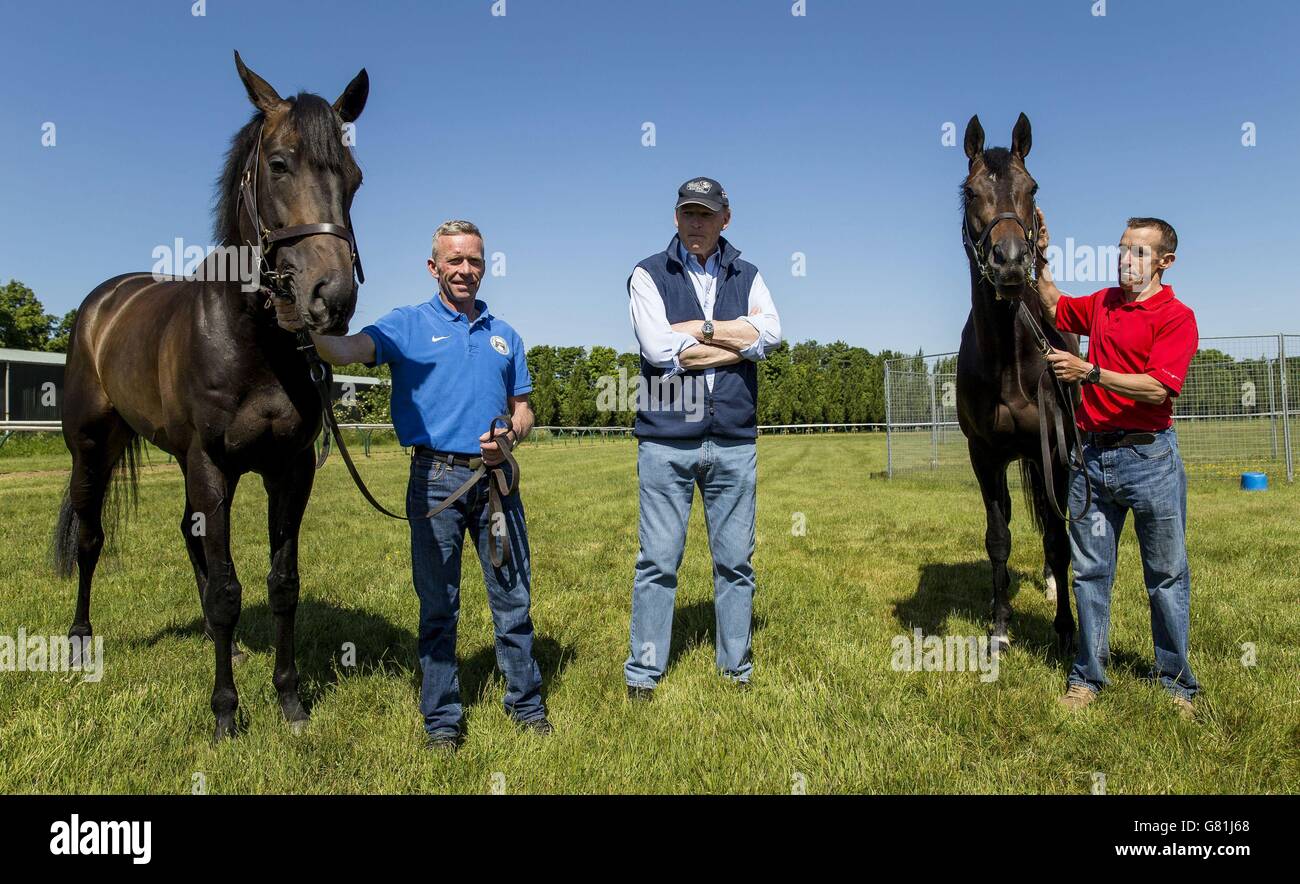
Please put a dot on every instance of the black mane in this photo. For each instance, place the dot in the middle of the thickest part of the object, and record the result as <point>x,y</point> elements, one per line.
<point>319,141</point>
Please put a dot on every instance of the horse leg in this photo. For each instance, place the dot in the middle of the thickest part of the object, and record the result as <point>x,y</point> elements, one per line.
<point>194,547</point>
<point>209,492</point>
<point>96,446</point>
<point>991,472</point>
<point>286,496</point>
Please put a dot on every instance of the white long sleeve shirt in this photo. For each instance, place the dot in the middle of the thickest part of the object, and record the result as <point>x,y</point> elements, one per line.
<point>662,346</point>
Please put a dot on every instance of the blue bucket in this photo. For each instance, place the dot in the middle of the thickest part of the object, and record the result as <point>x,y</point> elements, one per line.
<point>1254,482</point>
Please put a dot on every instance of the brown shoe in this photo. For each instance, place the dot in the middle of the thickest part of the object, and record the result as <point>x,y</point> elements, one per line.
<point>1077,697</point>
<point>1186,710</point>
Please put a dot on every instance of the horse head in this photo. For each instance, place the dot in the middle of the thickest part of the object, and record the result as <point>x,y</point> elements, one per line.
<point>999,221</point>
<point>287,190</point>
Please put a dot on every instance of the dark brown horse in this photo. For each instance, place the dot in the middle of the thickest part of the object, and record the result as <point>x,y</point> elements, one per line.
<point>201,370</point>
<point>1000,368</point>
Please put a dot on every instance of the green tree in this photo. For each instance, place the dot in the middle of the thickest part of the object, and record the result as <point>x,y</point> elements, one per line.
<point>24,324</point>
<point>61,333</point>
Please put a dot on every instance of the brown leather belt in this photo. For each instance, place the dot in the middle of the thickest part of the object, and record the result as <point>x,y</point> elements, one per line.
<point>452,460</point>
<point>1120,438</point>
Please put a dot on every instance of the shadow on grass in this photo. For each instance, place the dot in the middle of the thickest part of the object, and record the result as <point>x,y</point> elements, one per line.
<point>381,647</point>
<point>965,589</point>
<point>694,625</point>
<point>477,671</point>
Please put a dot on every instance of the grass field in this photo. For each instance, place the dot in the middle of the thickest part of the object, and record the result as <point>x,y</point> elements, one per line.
<point>827,712</point>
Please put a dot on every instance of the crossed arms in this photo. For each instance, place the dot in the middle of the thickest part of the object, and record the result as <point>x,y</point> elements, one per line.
<point>681,346</point>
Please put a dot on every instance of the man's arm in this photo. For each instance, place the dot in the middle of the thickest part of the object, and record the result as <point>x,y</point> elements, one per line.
<point>751,336</point>
<point>729,334</point>
<point>660,344</point>
<point>345,349</point>
<point>1139,387</point>
<point>708,356</point>
<point>521,424</point>
<point>1048,293</point>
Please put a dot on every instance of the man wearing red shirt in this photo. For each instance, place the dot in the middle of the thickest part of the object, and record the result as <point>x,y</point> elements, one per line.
<point>1141,340</point>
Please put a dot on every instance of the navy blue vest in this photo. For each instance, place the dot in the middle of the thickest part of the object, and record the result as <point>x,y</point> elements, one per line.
<point>682,407</point>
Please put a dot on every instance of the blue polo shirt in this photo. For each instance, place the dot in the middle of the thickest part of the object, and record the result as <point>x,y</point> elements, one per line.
<point>450,376</point>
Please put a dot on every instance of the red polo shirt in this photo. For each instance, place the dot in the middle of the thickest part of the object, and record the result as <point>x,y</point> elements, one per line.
<point>1156,336</point>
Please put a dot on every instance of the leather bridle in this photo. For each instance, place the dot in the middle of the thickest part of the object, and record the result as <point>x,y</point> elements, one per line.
<point>978,245</point>
<point>268,239</point>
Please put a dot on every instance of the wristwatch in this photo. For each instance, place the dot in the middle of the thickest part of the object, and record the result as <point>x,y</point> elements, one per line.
<point>1093,375</point>
<point>708,330</point>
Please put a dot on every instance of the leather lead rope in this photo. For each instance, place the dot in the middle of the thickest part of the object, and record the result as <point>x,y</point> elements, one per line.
<point>1071,456</point>
<point>501,483</point>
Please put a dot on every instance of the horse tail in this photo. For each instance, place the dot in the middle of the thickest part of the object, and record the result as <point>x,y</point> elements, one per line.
<point>63,545</point>
<point>123,496</point>
<point>1031,480</point>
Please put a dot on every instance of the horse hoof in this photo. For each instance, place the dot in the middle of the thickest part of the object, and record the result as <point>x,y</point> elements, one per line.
<point>999,644</point>
<point>299,727</point>
<point>225,731</point>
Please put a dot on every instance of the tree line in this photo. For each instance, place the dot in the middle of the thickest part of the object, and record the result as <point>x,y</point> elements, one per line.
<point>800,383</point>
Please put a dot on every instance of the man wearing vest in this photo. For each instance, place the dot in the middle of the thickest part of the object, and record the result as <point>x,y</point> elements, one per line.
<point>455,367</point>
<point>1141,340</point>
<point>702,318</point>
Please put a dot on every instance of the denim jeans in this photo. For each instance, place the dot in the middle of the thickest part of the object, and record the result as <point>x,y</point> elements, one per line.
<point>668,471</point>
<point>435,567</point>
<point>1148,480</point>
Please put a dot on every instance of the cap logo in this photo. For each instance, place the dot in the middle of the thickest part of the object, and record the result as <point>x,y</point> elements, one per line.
<point>699,186</point>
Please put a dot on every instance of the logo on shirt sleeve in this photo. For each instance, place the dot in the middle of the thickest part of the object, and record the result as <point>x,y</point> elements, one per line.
<point>499,344</point>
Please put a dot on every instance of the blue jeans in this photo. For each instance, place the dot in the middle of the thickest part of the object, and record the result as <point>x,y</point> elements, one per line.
<point>1150,481</point>
<point>726,471</point>
<point>435,567</point>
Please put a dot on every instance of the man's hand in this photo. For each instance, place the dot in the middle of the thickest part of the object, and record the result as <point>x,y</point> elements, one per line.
<point>1044,238</point>
<point>728,334</point>
<point>286,314</point>
<point>1067,366</point>
<point>491,449</point>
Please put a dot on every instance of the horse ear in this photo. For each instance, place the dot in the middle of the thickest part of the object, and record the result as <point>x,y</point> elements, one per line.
<point>974,138</point>
<point>261,93</point>
<point>1022,137</point>
<point>352,102</point>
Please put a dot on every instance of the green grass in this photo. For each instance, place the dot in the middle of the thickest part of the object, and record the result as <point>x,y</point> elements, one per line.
<point>827,710</point>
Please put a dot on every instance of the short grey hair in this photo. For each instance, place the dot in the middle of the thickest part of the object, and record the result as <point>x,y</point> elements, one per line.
<point>451,228</point>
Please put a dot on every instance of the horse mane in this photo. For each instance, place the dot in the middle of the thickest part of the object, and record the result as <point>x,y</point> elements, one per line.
<point>319,143</point>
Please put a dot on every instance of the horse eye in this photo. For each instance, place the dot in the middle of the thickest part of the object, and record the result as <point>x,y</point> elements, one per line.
<point>278,166</point>
<point>970,193</point>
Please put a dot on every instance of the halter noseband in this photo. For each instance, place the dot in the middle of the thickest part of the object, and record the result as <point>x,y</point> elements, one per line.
<point>267,239</point>
<point>977,246</point>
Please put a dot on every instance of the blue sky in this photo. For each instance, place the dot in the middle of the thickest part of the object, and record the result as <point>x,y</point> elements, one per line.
<point>825,129</point>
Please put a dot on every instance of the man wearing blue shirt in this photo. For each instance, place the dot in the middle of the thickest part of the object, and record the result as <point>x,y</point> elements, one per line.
<point>455,367</point>
<point>703,319</point>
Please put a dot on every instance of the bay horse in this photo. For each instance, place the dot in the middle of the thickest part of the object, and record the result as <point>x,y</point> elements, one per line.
<point>1006,394</point>
<point>199,368</point>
